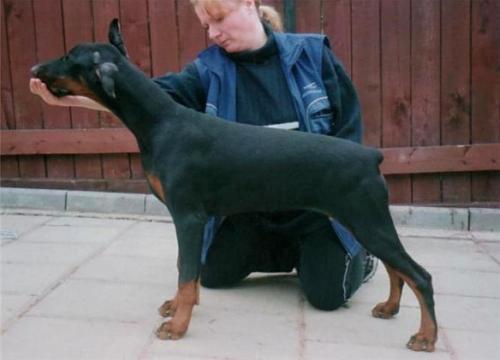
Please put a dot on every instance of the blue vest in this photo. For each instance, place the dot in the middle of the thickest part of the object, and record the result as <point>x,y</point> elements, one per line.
<point>301,59</point>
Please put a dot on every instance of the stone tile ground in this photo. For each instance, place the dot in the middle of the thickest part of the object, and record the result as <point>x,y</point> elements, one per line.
<point>78,286</point>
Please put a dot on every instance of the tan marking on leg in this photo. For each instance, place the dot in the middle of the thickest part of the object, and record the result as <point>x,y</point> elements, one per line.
<point>185,300</point>
<point>156,185</point>
<point>389,308</point>
<point>426,337</point>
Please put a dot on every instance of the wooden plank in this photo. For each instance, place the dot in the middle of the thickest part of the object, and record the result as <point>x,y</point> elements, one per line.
<point>164,36</point>
<point>485,101</point>
<point>136,32</point>
<point>134,25</point>
<point>438,159</point>
<point>425,45</point>
<point>136,166</point>
<point>9,167</point>
<point>337,26</point>
<point>27,109</point>
<point>116,185</point>
<point>74,141</point>
<point>50,45</point>
<point>455,91</point>
<point>485,187</point>
<point>107,10</point>
<point>308,16</point>
<point>191,34</point>
<point>396,88</point>
<point>402,160</point>
<point>7,121</point>
<point>116,165</point>
<point>366,65</point>
<point>77,20</point>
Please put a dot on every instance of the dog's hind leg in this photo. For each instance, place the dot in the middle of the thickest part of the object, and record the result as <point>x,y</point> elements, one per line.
<point>366,212</point>
<point>390,307</point>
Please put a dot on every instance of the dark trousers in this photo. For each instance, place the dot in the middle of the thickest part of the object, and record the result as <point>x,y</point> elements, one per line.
<point>249,243</point>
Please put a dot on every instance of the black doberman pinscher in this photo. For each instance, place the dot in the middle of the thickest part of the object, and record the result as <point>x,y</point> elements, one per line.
<point>200,166</point>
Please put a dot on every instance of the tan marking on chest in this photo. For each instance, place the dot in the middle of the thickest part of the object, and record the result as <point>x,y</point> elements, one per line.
<point>156,185</point>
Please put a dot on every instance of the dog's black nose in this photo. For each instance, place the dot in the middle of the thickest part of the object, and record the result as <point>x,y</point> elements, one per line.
<point>34,70</point>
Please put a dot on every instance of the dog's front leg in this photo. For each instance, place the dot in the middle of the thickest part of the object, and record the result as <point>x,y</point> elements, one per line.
<point>182,309</point>
<point>189,238</point>
<point>169,307</point>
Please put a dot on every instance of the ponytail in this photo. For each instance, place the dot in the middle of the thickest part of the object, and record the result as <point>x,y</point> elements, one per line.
<point>269,15</point>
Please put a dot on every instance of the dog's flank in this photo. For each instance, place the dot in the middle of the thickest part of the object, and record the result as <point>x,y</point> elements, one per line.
<point>200,166</point>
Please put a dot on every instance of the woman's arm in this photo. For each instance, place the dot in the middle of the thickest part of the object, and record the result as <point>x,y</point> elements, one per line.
<point>348,123</point>
<point>185,87</point>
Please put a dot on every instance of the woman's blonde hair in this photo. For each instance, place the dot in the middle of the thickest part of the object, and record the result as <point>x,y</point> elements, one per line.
<point>267,13</point>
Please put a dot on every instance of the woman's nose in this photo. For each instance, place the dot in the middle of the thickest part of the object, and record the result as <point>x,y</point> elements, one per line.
<point>213,32</point>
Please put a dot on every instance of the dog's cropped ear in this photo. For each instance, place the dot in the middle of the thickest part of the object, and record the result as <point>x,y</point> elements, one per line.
<point>115,37</point>
<point>105,73</point>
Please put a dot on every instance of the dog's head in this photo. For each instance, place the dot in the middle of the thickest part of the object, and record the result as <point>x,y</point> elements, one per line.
<point>87,69</point>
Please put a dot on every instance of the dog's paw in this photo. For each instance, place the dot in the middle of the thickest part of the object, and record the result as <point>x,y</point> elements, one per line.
<point>421,342</point>
<point>168,331</point>
<point>168,308</point>
<point>385,310</point>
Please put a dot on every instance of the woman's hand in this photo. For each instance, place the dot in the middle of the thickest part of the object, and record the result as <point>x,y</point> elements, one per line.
<point>39,88</point>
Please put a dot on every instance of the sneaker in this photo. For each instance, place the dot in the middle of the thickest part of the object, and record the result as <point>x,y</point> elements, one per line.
<point>371,263</point>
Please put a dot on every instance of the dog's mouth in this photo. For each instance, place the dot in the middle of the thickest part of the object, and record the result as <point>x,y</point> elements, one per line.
<point>59,92</point>
<point>52,86</point>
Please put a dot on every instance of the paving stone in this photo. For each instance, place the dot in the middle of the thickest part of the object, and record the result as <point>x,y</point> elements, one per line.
<point>164,247</point>
<point>466,283</point>
<point>485,220</point>
<point>33,198</point>
<point>47,253</point>
<point>474,345</point>
<point>101,300</point>
<point>20,224</point>
<point>30,279</point>
<point>460,254</point>
<point>68,234</point>
<point>239,336</point>
<point>356,326</point>
<point>155,206</point>
<point>152,228</point>
<point>273,295</point>
<point>106,305</point>
<point>422,232</point>
<point>428,217</point>
<point>492,249</point>
<point>13,305</point>
<point>463,313</point>
<point>106,202</point>
<point>43,338</point>
<point>82,221</point>
<point>486,236</point>
<point>130,269</point>
<point>321,350</point>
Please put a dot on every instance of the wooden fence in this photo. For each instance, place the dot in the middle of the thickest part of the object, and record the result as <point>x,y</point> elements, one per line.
<point>427,72</point>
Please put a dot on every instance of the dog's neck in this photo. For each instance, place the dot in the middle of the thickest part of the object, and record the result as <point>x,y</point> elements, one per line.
<point>141,104</point>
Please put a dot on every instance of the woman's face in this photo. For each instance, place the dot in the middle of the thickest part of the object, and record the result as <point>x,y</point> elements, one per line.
<point>230,23</point>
